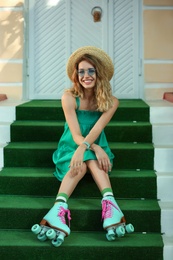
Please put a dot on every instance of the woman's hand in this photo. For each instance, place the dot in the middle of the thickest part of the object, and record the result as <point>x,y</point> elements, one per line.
<point>77,160</point>
<point>102,157</point>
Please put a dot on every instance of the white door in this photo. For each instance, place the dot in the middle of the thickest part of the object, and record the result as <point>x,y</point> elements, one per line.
<point>58,27</point>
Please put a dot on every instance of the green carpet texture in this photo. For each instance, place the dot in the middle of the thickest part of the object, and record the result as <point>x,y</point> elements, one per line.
<point>28,188</point>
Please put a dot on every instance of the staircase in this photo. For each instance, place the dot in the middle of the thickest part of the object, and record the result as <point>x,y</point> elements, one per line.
<point>28,188</point>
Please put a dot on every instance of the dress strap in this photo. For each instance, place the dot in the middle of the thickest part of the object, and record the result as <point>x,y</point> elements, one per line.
<point>77,102</point>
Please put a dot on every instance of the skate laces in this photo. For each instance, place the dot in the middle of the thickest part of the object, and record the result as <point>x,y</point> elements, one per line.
<point>107,208</point>
<point>62,213</point>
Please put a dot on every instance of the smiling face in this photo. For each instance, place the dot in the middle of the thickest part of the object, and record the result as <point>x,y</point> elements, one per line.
<point>86,74</point>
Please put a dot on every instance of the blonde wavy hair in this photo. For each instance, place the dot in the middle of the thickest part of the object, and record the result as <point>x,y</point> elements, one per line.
<point>103,92</point>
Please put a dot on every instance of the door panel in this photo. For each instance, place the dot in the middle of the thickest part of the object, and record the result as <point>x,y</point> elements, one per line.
<point>47,50</point>
<point>58,27</point>
<point>126,49</point>
<point>84,31</point>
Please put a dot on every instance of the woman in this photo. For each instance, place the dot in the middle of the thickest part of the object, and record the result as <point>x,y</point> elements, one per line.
<point>88,107</point>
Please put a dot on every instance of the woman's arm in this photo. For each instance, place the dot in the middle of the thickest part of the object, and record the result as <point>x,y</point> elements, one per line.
<point>69,107</point>
<point>101,123</point>
<point>102,157</point>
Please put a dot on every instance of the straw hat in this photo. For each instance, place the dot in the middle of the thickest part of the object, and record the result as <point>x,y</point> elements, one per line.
<point>101,55</point>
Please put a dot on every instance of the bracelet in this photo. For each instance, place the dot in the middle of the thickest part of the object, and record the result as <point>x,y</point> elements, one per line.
<point>87,145</point>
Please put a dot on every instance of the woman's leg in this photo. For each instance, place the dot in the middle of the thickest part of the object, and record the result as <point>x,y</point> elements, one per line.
<point>112,215</point>
<point>56,216</point>
<point>111,212</point>
<point>69,182</point>
<point>100,177</point>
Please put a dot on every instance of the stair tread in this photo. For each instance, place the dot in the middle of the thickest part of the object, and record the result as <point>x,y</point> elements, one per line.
<point>52,130</point>
<point>22,238</point>
<point>25,172</point>
<point>61,123</point>
<point>45,145</point>
<point>124,103</point>
<point>138,110</point>
<point>82,204</point>
<point>21,181</point>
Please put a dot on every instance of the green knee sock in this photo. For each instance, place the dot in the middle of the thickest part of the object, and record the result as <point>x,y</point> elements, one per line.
<point>107,192</point>
<point>61,197</point>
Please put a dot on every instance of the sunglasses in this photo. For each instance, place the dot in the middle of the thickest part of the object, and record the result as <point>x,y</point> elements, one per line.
<point>90,72</point>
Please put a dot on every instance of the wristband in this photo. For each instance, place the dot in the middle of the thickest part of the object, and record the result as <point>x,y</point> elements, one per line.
<point>87,145</point>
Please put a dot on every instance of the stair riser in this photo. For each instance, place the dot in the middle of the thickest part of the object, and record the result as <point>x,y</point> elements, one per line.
<point>163,159</point>
<point>48,186</point>
<point>124,158</point>
<point>42,113</point>
<point>4,133</point>
<point>48,133</point>
<point>1,157</point>
<point>82,220</point>
<point>163,134</point>
<point>161,114</point>
<point>7,114</point>
<point>88,252</point>
<point>56,113</point>
<point>164,187</point>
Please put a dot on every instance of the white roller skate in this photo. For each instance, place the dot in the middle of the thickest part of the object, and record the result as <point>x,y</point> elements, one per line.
<point>53,226</point>
<point>113,219</point>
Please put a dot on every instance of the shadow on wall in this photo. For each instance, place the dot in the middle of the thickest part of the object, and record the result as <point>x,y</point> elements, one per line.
<point>11,44</point>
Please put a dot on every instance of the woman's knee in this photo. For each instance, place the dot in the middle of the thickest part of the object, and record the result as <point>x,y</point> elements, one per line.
<point>82,172</point>
<point>77,177</point>
<point>93,165</point>
<point>84,169</point>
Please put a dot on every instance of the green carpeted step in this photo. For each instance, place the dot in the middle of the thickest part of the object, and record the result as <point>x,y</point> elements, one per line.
<point>126,184</point>
<point>28,188</point>
<point>82,245</point>
<point>21,212</point>
<point>52,131</point>
<point>129,110</point>
<point>39,154</point>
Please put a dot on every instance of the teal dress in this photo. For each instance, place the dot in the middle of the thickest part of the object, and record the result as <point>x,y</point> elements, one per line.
<point>66,146</point>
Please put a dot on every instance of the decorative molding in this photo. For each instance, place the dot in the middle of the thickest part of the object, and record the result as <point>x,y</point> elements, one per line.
<point>158,61</point>
<point>146,7</point>
<point>13,9</point>
<point>158,85</point>
<point>17,61</point>
<point>11,84</point>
